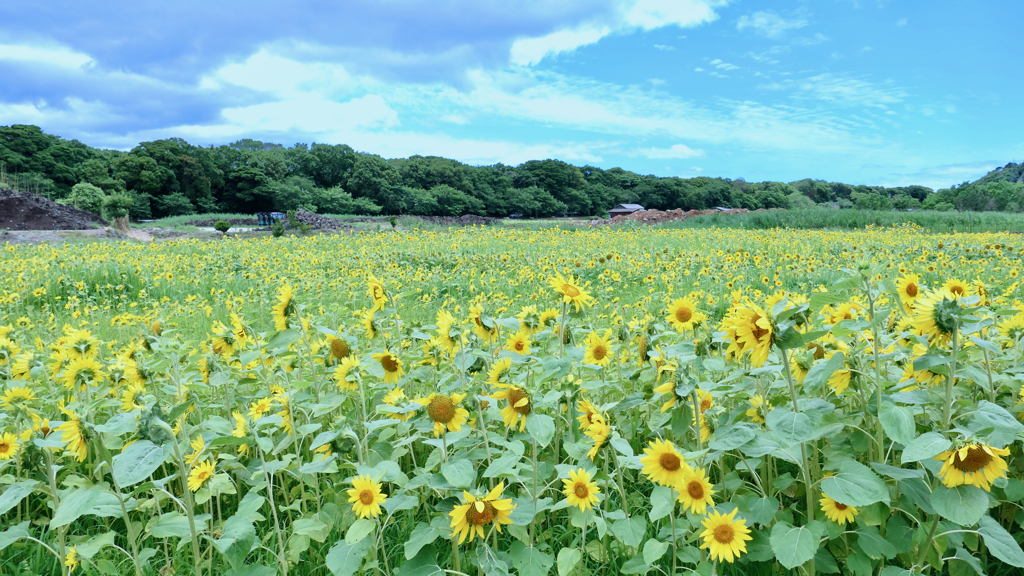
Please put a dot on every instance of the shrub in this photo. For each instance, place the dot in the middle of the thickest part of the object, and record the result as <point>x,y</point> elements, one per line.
<point>222,226</point>
<point>86,197</point>
<point>277,229</point>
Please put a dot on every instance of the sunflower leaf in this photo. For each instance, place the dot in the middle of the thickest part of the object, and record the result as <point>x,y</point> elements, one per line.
<point>793,546</point>
<point>855,485</point>
<point>1000,543</point>
<point>964,505</point>
<point>927,445</point>
<point>344,558</point>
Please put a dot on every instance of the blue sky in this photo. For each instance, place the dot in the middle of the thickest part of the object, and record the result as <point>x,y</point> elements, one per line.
<point>858,91</point>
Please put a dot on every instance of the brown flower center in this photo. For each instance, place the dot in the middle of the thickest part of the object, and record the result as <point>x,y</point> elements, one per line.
<point>389,362</point>
<point>441,409</point>
<point>684,314</point>
<point>705,402</point>
<point>515,395</point>
<point>758,332</point>
<point>600,352</point>
<point>911,289</point>
<point>724,533</point>
<point>958,290</point>
<point>366,497</point>
<point>339,349</point>
<point>478,517</point>
<point>570,290</point>
<point>520,345</point>
<point>670,462</point>
<point>977,458</point>
<point>581,490</point>
<point>695,489</point>
<point>840,506</point>
<point>4,447</point>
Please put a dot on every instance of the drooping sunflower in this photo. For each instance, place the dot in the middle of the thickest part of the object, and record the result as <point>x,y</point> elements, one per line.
<point>223,341</point>
<point>695,491</point>
<point>71,559</point>
<point>549,319</point>
<point>131,399</point>
<point>500,370</point>
<point>518,406</point>
<point>758,409</point>
<point>683,315</point>
<point>750,330</point>
<point>197,446</point>
<point>200,475</point>
<point>937,315</point>
<point>909,288</point>
<point>706,401</point>
<point>663,464</point>
<point>394,397</point>
<point>393,366</point>
<point>81,371</point>
<point>240,431</point>
<point>519,342</point>
<point>469,519</point>
<point>375,290</point>
<point>337,349</point>
<point>8,446</point>
<point>845,311</point>
<point>366,497</point>
<point>587,411</point>
<point>839,381</point>
<point>73,435</point>
<point>724,537</point>
<point>668,387</point>
<point>579,490</point>
<point>79,342</point>
<point>344,370</point>
<point>285,307</point>
<point>445,325</point>
<point>369,324</point>
<point>21,366</point>
<point>445,412</point>
<point>599,348</point>
<point>476,318</point>
<point>598,431</point>
<point>260,407</point>
<point>836,511</point>
<point>571,289</point>
<point>974,464</point>
<point>17,397</point>
<point>529,320</point>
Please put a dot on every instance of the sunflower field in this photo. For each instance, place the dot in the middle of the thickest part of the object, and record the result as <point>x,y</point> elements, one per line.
<point>500,401</point>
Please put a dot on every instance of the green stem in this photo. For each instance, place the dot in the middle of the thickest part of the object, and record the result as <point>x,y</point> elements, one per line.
<point>947,407</point>
<point>805,467</point>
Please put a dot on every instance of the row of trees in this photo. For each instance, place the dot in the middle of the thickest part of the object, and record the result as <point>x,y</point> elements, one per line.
<point>172,177</point>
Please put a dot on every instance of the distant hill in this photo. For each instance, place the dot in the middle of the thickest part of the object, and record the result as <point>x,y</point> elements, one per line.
<point>1012,173</point>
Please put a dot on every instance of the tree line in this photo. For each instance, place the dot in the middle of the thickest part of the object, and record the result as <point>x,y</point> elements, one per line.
<point>172,177</point>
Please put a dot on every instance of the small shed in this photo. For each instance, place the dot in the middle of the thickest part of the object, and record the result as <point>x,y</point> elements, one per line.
<point>624,209</point>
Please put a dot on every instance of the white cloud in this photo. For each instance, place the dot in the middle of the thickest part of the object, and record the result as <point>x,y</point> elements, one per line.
<point>530,51</point>
<point>769,24</point>
<point>723,65</point>
<point>271,73</point>
<point>312,113</point>
<point>651,14</point>
<point>678,151</point>
<point>57,56</point>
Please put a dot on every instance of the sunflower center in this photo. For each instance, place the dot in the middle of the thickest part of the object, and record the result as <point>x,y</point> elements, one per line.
<point>684,314</point>
<point>958,290</point>
<point>475,516</point>
<point>670,462</point>
<point>570,290</point>
<point>977,458</point>
<point>756,329</point>
<point>695,489</point>
<point>840,506</point>
<point>515,395</point>
<point>911,289</point>
<point>441,409</point>
<point>4,447</point>
<point>600,352</point>
<point>339,349</point>
<point>581,490</point>
<point>203,475</point>
<point>520,345</point>
<point>366,497</point>
<point>724,533</point>
<point>705,403</point>
<point>389,362</point>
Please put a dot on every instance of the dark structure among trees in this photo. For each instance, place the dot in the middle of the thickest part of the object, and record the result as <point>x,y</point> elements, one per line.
<point>624,210</point>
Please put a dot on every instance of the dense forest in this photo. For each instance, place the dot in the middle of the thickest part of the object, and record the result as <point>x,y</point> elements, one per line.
<point>172,177</point>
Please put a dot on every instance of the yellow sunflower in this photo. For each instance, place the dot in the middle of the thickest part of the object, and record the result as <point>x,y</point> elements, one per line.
<point>663,464</point>
<point>393,366</point>
<point>469,519</point>
<point>71,559</point>
<point>973,464</point>
<point>8,446</point>
<point>445,326</point>
<point>579,490</point>
<point>200,475</point>
<point>1011,329</point>
<point>285,307</point>
<point>395,397</point>
<point>481,330</point>
<point>683,315</point>
<point>571,290</point>
<point>519,342</point>
<point>587,410</point>
<point>21,366</point>
<point>366,497</point>
<point>240,431</point>
<point>73,435</point>
<point>366,320</point>
<point>342,372</point>
<point>375,290</point>
<point>260,407</point>
<point>17,397</point>
<point>499,370</point>
<point>837,512</point>
<point>518,406</point>
<point>598,431</point>
<point>197,445</point>
<point>750,330</point>
<point>131,399</point>
<point>936,315</point>
<point>669,388</point>
<point>445,412</point>
<point>724,537</point>
<point>758,409</point>
<point>909,288</point>
<point>958,288</point>
<point>598,348</point>
<point>695,491</point>
<point>83,370</point>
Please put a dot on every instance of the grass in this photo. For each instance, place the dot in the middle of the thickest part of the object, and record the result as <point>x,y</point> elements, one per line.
<point>172,221</point>
<point>827,219</point>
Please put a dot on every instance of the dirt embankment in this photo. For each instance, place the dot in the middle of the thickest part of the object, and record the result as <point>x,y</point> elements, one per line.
<point>27,211</point>
<point>659,216</point>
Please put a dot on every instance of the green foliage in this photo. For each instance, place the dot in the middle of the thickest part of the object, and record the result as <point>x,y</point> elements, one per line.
<point>86,197</point>
<point>118,205</point>
<point>277,229</point>
<point>221,226</point>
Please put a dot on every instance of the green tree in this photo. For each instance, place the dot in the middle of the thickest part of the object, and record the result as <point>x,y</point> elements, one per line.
<point>381,183</point>
<point>86,197</point>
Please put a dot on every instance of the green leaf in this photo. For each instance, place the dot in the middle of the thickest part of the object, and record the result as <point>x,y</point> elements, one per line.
<point>1000,543</point>
<point>855,485</point>
<point>821,299</point>
<point>964,505</point>
<point>654,550</point>
<point>793,546</point>
<point>95,544</point>
<point>236,540</point>
<point>84,501</point>
<point>120,424</point>
<point>541,427</point>
<point>568,559</point>
<point>169,525</point>
<point>283,339</point>
<point>791,427</point>
<point>630,531</point>
<point>506,464</point>
<point>897,473</point>
<point>762,510</point>
<point>15,493</point>
<point>927,445</point>
<point>252,570</point>
<point>314,528</point>
<point>344,558</point>
<point>821,372</point>
<point>662,502</point>
<point>459,473</point>
<point>895,571</point>
<point>1014,490</point>
<point>733,436</point>
<point>898,422</point>
<point>422,535</point>
<point>137,462</point>
<point>13,534</point>
<point>530,561</point>
<point>1005,426</point>
<point>359,530</point>
<point>870,542</point>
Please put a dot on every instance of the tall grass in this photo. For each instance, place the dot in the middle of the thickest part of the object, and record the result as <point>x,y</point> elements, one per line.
<point>818,219</point>
<point>187,219</point>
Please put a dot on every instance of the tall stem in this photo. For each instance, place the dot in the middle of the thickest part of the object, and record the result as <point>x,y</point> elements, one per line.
<point>947,407</point>
<point>187,495</point>
<point>805,467</point>
<point>879,432</point>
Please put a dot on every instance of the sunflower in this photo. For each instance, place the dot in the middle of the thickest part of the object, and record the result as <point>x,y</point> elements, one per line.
<point>579,490</point>
<point>519,342</point>
<point>83,370</point>
<point>73,435</point>
<point>663,464</point>
<point>80,343</point>
<point>683,315</point>
<point>286,416</point>
<point>750,330</point>
<point>530,319</point>
<point>695,491</point>
<point>393,367</point>
<point>476,318</point>
<point>470,518</point>
<point>342,371</point>
<point>21,366</point>
<point>598,431</point>
<point>837,512</point>
<point>445,412</point>
<point>937,314</point>
<point>909,288</point>
<point>8,348</point>
<point>549,319</point>
<point>705,432</point>
<point>758,408</point>
<point>200,475</point>
<point>132,397</point>
<point>197,445</point>
<point>706,401</point>
<point>599,348</point>
<point>845,311</point>
<point>260,407</point>
<point>375,290</point>
<point>571,290</point>
<point>724,537</point>
<point>366,497</point>
<point>500,369</point>
<point>71,559</point>
<point>445,326</point>
<point>395,397</point>
<point>8,446</point>
<point>16,397</point>
<point>973,464</point>
<point>240,431</point>
<point>285,307</point>
<point>366,320</point>
<point>136,373</point>
<point>1011,329</point>
<point>518,405</point>
<point>839,381</point>
<point>224,341</point>
<point>669,387</point>
<point>587,410</point>
<point>958,288</point>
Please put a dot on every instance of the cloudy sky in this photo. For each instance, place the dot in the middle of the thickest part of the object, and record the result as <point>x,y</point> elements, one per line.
<point>859,91</point>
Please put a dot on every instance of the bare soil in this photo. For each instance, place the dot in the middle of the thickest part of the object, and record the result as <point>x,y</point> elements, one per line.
<point>27,211</point>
